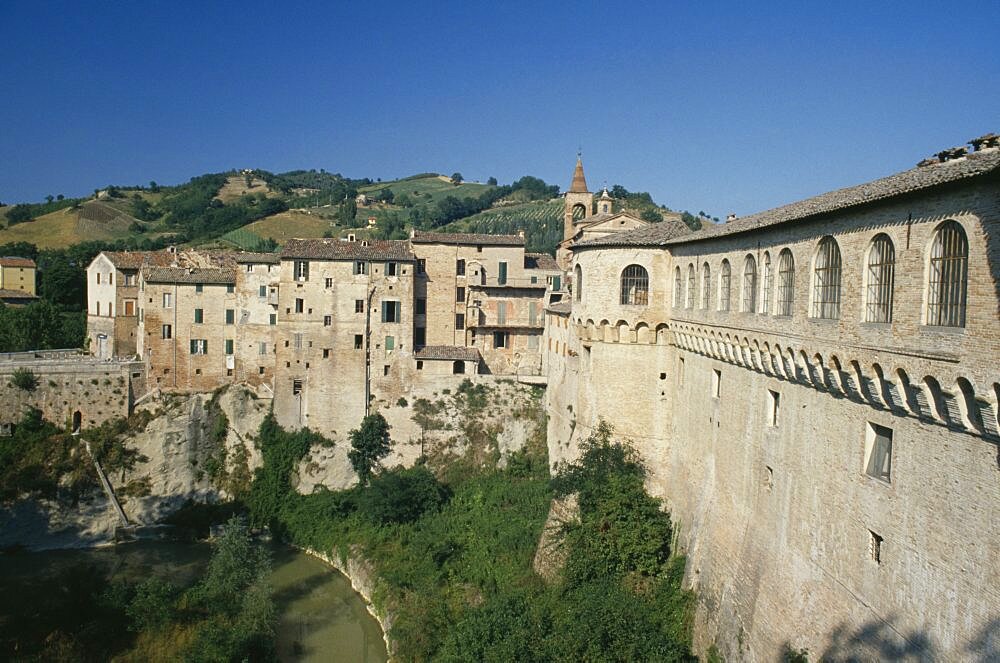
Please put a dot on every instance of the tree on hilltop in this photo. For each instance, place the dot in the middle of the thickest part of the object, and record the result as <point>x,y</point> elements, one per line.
<point>456,178</point>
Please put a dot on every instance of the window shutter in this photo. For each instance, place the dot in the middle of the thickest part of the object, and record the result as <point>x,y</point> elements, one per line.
<point>194,346</point>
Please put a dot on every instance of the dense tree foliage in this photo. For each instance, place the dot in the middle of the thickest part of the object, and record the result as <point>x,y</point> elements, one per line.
<point>370,443</point>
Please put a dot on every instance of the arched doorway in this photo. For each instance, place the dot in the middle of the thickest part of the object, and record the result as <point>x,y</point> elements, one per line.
<point>458,368</point>
<point>77,422</point>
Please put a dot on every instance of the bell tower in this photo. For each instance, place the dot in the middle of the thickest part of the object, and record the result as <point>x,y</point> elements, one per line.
<point>579,201</point>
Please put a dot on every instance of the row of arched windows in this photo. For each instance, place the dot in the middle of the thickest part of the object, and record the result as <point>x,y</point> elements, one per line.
<point>946,281</point>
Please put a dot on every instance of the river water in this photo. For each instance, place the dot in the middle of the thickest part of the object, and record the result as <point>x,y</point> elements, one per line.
<point>321,617</point>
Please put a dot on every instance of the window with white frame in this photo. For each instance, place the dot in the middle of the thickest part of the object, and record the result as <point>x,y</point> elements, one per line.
<point>725,276</point>
<point>301,270</point>
<point>878,452</point>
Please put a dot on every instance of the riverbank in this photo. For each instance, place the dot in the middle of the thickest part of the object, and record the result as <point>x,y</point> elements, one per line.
<point>363,578</point>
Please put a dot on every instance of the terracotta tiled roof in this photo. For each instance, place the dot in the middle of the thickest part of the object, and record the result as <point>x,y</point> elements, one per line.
<point>14,261</point>
<point>908,181</point>
<point>137,259</point>
<point>420,237</point>
<point>654,234</point>
<point>257,258</point>
<point>336,249</point>
<point>209,275</point>
<point>449,352</point>
<point>540,261</point>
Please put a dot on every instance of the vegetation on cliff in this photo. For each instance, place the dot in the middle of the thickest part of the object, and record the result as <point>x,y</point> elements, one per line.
<point>454,560</point>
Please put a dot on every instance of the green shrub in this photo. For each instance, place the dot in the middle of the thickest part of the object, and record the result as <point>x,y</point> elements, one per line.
<point>24,379</point>
<point>401,496</point>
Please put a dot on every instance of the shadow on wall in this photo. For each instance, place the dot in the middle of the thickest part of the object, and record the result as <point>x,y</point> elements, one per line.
<point>880,640</point>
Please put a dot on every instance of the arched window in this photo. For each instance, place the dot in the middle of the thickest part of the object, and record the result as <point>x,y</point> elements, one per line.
<point>826,280</point>
<point>948,276</point>
<point>678,285</point>
<point>765,293</point>
<point>724,277</point>
<point>578,285</point>
<point>689,299</point>
<point>749,285</point>
<point>786,282</point>
<point>635,285</point>
<point>880,275</point>
<point>706,286</point>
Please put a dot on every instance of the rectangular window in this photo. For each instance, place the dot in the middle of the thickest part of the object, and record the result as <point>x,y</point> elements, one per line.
<point>326,353</point>
<point>199,316</point>
<point>385,370</point>
<point>459,321</point>
<point>390,343</point>
<point>327,320</point>
<point>502,274</point>
<point>500,339</point>
<point>260,370</point>
<point>229,346</point>
<point>359,341</point>
<point>168,300</point>
<point>166,331</point>
<point>98,277</point>
<point>272,319</point>
<point>262,348</point>
<point>230,288</point>
<point>501,313</point>
<point>360,267</point>
<point>299,304</point>
<point>534,280</point>
<point>878,452</point>
<point>533,342</point>
<point>420,365</point>
<point>716,383</point>
<point>532,313</point>
<point>296,387</point>
<point>419,336</point>
<point>773,407</point>
<point>297,337</point>
<point>249,268</point>
<point>460,294</point>
<point>230,316</point>
<point>875,547</point>
<point>459,267</point>
<point>329,283</point>
<point>392,269</point>
<point>301,270</point>
<point>421,266</point>
<point>359,306</point>
<point>262,292</point>
<point>420,306</point>
<point>391,312</point>
<point>199,346</point>
<point>199,287</point>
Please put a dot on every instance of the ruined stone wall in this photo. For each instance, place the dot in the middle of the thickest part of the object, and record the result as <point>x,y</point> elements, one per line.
<point>98,390</point>
<point>779,522</point>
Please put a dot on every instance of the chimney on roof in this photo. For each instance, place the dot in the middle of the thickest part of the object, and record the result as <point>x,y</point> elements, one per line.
<point>988,141</point>
<point>351,237</point>
<point>730,217</point>
<point>953,153</point>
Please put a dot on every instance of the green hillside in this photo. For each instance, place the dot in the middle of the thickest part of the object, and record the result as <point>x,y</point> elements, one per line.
<point>541,221</point>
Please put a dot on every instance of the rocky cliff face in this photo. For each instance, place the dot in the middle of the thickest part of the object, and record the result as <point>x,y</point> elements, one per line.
<point>187,452</point>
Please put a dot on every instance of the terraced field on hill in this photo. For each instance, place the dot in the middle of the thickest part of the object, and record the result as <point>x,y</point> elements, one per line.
<point>541,221</point>
<point>92,220</point>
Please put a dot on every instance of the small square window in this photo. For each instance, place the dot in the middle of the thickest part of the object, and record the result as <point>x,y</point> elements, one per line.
<point>230,288</point>
<point>329,283</point>
<point>420,365</point>
<point>299,305</point>
<point>262,292</point>
<point>663,376</point>
<point>197,371</point>
<point>229,372</point>
<point>198,287</point>
<point>260,370</point>
<point>326,353</point>
<point>327,320</point>
<point>385,370</point>
<point>358,341</point>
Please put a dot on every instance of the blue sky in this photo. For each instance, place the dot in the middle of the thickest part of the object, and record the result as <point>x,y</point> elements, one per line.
<point>709,106</point>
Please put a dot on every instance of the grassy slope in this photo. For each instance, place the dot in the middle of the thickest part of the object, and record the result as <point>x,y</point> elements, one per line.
<point>236,186</point>
<point>279,227</point>
<point>93,220</point>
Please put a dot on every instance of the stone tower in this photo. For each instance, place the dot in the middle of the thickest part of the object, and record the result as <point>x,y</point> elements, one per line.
<point>579,201</point>
<point>579,206</point>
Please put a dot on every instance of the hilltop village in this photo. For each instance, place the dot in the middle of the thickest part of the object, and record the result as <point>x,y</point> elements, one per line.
<point>813,388</point>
